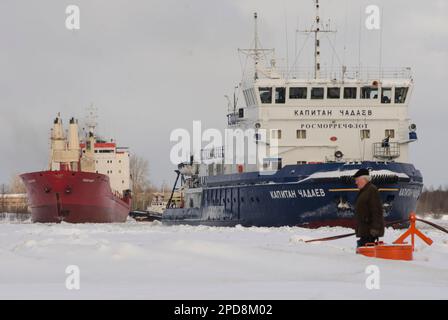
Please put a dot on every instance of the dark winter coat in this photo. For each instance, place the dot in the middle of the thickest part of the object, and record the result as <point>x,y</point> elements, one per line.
<point>369,212</point>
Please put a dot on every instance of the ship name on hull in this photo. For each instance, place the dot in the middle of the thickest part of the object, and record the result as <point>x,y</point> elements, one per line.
<point>300,193</point>
<point>411,193</point>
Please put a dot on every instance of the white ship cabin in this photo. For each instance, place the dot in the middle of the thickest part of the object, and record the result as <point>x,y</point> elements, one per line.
<point>331,119</point>
<point>112,161</point>
<point>319,116</point>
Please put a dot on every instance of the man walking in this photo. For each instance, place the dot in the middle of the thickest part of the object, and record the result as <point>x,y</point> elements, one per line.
<point>368,210</point>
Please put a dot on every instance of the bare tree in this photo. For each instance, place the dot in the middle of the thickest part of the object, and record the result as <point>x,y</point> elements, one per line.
<point>16,185</point>
<point>433,201</point>
<point>141,187</point>
<point>3,191</point>
<point>139,173</point>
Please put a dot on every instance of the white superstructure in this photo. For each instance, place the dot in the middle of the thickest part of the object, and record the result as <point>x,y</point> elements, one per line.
<point>319,115</point>
<point>67,152</point>
<point>112,161</point>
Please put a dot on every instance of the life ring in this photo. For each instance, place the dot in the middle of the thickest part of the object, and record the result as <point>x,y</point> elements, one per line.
<point>338,154</point>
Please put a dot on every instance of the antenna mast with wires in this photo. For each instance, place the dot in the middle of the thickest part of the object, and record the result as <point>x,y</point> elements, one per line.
<point>317,28</point>
<point>91,118</point>
<point>256,51</point>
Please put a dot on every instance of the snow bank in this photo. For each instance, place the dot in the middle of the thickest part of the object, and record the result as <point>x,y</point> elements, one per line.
<point>350,173</point>
<point>149,260</point>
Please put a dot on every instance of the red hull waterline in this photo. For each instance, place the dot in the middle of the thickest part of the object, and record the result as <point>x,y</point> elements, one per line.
<point>74,197</point>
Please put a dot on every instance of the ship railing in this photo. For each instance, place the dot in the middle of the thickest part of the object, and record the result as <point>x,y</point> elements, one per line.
<point>341,74</point>
<point>235,117</point>
<point>386,150</point>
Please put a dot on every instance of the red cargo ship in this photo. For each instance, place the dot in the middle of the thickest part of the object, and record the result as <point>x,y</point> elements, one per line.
<point>80,185</point>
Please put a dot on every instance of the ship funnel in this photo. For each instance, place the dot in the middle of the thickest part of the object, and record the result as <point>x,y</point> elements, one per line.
<point>57,135</point>
<point>73,137</point>
<point>64,154</point>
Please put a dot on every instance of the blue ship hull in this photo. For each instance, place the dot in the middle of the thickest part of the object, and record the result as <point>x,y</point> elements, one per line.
<point>310,195</point>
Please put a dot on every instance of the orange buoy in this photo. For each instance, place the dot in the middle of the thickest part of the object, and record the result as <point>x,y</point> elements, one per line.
<point>399,250</point>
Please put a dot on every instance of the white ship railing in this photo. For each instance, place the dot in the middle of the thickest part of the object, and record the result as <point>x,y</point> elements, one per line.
<point>338,74</point>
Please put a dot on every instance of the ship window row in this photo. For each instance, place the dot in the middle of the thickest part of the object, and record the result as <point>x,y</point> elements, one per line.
<point>109,171</point>
<point>104,150</point>
<point>277,134</point>
<point>301,134</point>
<point>107,161</point>
<point>318,93</point>
<point>388,134</point>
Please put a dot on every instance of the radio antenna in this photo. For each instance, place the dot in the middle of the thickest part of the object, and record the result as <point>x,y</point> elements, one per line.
<point>317,28</point>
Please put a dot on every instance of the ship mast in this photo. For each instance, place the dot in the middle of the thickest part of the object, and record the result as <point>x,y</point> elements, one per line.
<point>88,158</point>
<point>317,28</point>
<point>91,119</point>
<point>256,51</point>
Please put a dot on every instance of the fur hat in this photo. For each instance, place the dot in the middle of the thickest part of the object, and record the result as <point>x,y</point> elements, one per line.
<point>361,172</point>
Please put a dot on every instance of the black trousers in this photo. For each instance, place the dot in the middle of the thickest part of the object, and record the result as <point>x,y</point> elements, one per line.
<point>363,240</point>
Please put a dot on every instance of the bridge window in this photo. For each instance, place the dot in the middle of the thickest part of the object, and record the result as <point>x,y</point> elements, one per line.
<point>386,95</point>
<point>265,95</point>
<point>400,94</point>
<point>350,93</point>
<point>317,93</point>
<point>297,93</point>
<point>253,96</point>
<point>280,94</point>
<point>249,97</point>
<point>365,134</point>
<point>390,133</point>
<point>369,93</point>
<point>333,93</point>
<point>246,98</point>
<point>301,134</point>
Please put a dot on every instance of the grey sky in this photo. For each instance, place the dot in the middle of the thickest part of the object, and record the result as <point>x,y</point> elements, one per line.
<point>152,66</point>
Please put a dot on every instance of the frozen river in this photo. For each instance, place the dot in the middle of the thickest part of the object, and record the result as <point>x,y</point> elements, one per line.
<point>151,261</point>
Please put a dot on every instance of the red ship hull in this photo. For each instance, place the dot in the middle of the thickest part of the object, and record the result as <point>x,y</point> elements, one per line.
<point>74,197</point>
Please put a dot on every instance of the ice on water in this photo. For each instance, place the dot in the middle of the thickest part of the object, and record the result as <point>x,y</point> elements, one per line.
<point>150,260</point>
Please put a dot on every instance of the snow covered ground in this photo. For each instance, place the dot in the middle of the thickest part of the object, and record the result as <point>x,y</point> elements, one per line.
<point>151,261</point>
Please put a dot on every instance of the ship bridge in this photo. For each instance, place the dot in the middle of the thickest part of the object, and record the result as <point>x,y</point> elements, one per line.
<point>352,118</point>
<point>318,115</point>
